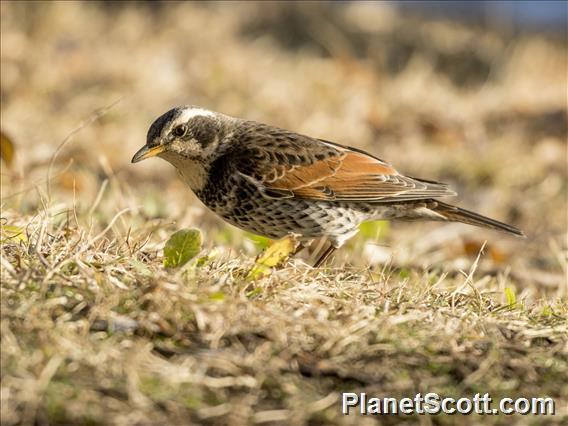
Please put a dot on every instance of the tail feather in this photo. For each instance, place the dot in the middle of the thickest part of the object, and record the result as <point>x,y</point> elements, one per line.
<point>455,214</point>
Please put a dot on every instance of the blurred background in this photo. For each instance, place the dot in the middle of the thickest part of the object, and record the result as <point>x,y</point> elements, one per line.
<point>95,330</point>
<point>468,93</point>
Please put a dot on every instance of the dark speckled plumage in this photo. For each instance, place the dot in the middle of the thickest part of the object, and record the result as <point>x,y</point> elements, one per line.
<point>274,182</point>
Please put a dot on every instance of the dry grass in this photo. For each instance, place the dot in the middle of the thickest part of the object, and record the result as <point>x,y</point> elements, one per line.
<point>96,331</point>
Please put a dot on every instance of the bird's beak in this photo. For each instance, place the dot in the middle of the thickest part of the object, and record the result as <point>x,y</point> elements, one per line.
<point>147,152</point>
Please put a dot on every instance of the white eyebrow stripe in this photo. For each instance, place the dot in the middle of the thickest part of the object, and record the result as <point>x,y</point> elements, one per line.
<point>189,113</point>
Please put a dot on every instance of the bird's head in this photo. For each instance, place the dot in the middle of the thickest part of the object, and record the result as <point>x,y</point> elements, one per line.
<point>184,134</point>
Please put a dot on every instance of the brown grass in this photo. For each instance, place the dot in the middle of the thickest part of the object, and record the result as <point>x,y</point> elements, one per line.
<point>96,331</point>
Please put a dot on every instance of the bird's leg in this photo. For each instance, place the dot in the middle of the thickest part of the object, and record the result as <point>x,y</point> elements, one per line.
<point>324,256</point>
<point>301,246</point>
<point>298,249</point>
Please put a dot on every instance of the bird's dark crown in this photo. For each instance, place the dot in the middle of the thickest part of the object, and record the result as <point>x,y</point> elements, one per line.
<point>155,131</point>
<point>186,122</point>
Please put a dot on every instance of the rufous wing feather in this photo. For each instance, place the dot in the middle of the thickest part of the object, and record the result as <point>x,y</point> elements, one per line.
<point>354,176</point>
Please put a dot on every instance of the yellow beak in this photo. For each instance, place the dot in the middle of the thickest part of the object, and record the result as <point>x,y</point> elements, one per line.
<point>146,152</point>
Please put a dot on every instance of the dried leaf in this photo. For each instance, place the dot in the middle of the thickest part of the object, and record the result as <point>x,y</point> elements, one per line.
<point>473,247</point>
<point>274,255</point>
<point>7,149</point>
<point>71,181</point>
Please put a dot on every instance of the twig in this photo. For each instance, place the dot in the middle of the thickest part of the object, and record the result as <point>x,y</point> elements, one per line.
<point>110,225</point>
<point>98,198</point>
<point>91,119</point>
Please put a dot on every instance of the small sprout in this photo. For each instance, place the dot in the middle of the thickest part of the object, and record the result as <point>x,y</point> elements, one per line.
<point>510,297</point>
<point>254,292</point>
<point>207,258</point>
<point>140,267</point>
<point>182,246</point>
<point>217,296</point>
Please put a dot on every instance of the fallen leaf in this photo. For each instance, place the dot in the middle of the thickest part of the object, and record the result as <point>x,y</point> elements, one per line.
<point>182,246</point>
<point>71,181</point>
<point>7,149</point>
<point>14,233</point>
<point>274,255</point>
<point>472,248</point>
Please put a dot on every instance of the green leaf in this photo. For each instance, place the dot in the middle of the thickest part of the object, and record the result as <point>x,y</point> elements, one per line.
<point>182,246</point>
<point>510,296</point>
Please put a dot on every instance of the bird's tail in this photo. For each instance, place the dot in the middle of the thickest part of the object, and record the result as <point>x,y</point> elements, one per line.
<point>455,214</point>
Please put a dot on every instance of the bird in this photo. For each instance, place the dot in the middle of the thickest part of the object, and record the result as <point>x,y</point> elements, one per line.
<point>275,182</point>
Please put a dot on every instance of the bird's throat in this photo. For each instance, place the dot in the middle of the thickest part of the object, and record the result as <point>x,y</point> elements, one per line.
<point>192,172</point>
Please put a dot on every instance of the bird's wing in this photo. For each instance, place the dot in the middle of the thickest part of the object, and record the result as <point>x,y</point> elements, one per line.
<point>285,164</point>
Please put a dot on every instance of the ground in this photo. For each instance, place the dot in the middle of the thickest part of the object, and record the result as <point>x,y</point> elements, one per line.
<point>95,330</point>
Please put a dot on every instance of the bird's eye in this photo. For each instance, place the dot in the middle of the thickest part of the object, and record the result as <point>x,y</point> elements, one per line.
<point>179,131</point>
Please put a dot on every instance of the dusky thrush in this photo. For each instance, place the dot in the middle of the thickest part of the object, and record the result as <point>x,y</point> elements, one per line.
<point>275,182</point>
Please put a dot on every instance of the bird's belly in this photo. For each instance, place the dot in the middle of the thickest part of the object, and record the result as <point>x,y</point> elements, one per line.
<point>278,218</point>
